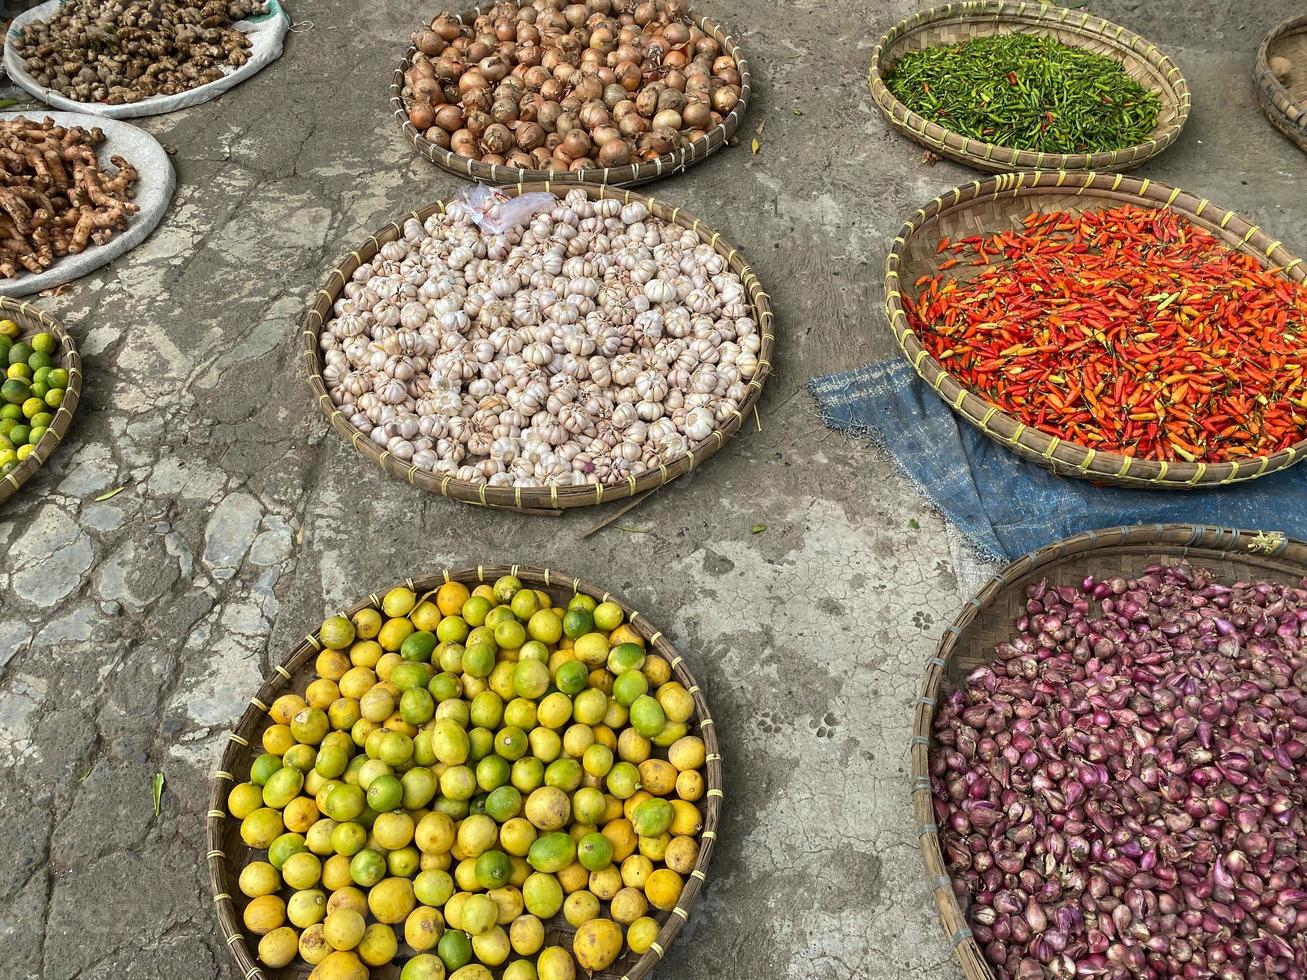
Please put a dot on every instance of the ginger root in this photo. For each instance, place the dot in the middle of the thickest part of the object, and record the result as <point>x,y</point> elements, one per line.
<point>126,50</point>
<point>55,197</point>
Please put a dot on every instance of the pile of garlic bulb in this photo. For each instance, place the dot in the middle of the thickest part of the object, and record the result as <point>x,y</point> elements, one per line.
<point>592,344</point>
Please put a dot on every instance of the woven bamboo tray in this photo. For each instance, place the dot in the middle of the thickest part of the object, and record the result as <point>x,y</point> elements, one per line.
<point>1002,202</point>
<point>32,321</point>
<point>628,176</point>
<point>537,500</point>
<point>227,853</point>
<point>987,619</point>
<point>955,22</point>
<point>1285,105</point>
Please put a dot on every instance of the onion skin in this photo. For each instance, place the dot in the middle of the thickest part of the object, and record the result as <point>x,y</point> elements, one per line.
<point>1122,791</point>
<point>576,63</point>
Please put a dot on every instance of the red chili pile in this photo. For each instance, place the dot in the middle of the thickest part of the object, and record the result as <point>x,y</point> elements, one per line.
<point>1127,330</point>
<point>1122,791</point>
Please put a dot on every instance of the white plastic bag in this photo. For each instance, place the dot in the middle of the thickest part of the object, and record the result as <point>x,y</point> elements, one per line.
<point>495,212</point>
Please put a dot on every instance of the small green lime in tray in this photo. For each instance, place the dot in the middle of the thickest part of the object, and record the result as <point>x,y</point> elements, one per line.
<point>33,389</point>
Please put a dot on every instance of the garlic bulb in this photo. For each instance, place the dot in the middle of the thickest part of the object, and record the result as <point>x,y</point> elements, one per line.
<point>591,344</point>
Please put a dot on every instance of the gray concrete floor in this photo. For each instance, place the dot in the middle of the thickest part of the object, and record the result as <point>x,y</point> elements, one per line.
<point>133,630</point>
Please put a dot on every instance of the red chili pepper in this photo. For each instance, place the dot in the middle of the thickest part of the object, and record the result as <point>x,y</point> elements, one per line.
<point>1128,329</point>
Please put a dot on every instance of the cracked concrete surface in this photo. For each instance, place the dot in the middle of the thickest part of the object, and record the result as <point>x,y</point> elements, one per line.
<point>132,630</point>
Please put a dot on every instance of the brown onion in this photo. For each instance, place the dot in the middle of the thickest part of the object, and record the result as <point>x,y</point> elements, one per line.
<point>576,144</point>
<point>581,163</point>
<point>696,115</point>
<point>593,115</point>
<point>667,119</point>
<point>449,118</point>
<point>646,100</point>
<point>614,153</point>
<point>477,122</point>
<point>540,158</point>
<point>464,144</point>
<point>504,112</point>
<point>429,42</point>
<point>447,27</point>
<point>604,135</point>
<point>632,124</point>
<point>497,139</point>
<point>529,136</point>
<point>438,136</point>
<point>421,115</point>
<point>725,99</point>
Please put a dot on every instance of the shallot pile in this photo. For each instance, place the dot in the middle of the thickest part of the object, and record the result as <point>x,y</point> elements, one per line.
<point>1122,792</point>
<point>128,50</point>
<point>553,85</point>
<point>55,198</point>
<point>589,344</point>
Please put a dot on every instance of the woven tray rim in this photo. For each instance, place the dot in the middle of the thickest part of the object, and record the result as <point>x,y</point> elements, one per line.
<point>1278,105</point>
<point>1068,458</point>
<point>539,500</point>
<point>222,880</point>
<point>34,320</point>
<point>1202,542</point>
<point>996,157</point>
<point>631,175</point>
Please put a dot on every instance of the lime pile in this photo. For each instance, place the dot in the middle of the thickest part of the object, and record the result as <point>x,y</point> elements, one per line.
<point>31,393</point>
<point>466,767</point>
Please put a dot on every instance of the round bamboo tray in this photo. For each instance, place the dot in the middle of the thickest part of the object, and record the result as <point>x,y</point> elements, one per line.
<point>227,853</point>
<point>955,22</point>
<point>537,500</point>
<point>628,176</point>
<point>32,321</point>
<point>1285,105</point>
<point>987,619</point>
<point>1001,202</point>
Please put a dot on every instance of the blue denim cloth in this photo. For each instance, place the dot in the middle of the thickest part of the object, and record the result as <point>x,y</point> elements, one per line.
<point>1007,506</point>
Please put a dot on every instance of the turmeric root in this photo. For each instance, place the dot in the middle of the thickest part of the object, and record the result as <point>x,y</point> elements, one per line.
<point>55,196</point>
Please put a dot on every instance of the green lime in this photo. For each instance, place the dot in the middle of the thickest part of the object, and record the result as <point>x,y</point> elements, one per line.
<point>479,659</point>
<point>506,586</point>
<point>623,780</point>
<point>630,686</point>
<point>41,420</point>
<point>543,895</point>
<point>57,378</point>
<point>498,615</point>
<point>41,376</point>
<point>552,852</point>
<point>36,360</point>
<point>263,768</point>
<point>595,852</point>
<point>54,397</point>
<point>433,887</point>
<point>5,426</point>
<point>530,679</point>
<point>588,805</point>
<point>510,635</point>
<point>301,757</point>
<point>37,434</point>
<point>475,610</point>
<point>511,743</point>
<point>608,616</point>
<point>503,804</point>
<point>5,343</point>
<point>15,391</point>
<point>345,802</point>
<point>39,390</point>
<point>528,774</point>
<point>487,710</point>
<point>424,966</point>
<point>521,713</point>
<point>652,817</point>
<point>493,772</point>
<point>397,748</point>
<point>455,950</point>
<point>583,601</point>
<point>385,793</point>
<point>566,774</point>
<point>624,657</point>
<point>533,650</point>
<point>452,629</point>
<point>481,743</point>
<point>445,686</point>
<point>10,411</point>
<point>408,674</point>
<point>572,677</point>
<point>578,622</point>
<point>418,646</point>
<point>367,867</point>
<point>647,716</point>
<point>20,352</point>
<point>20,435</point>
<point>44,343</point>
<point>525,604</point>
<point>493,870</point>
<point>349,838</point>
<point>416,706</point>
<point>419,787</point>
<point>283,847</point>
